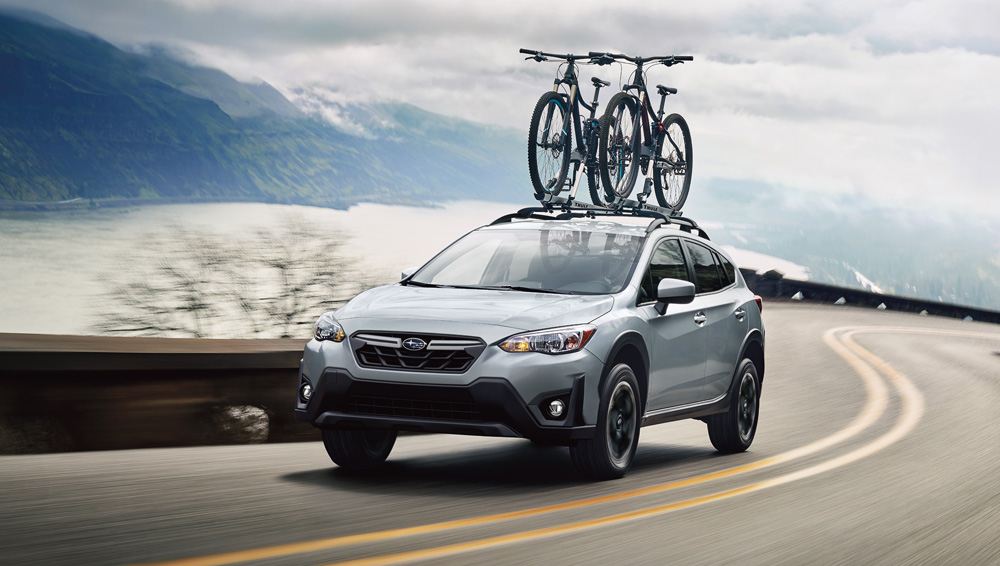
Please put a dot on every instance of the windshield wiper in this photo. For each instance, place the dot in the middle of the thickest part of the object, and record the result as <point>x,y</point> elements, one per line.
<point>529,289</point>
<point>420,283</point>
<point>490,287</point>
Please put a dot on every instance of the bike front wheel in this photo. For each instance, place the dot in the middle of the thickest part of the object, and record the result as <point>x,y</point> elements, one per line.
<point>672,169</point>
<point>548,145</point>
<point>619,146</point>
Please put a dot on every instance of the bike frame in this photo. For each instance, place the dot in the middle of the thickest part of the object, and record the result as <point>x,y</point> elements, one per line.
<point>573,118</point>
<point>648,143</point>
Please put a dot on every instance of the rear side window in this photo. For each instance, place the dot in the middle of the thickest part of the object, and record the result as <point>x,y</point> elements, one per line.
<point>706,272</point>
<point>729,268</point>
<point>723,276</point>
<point>667,262</point>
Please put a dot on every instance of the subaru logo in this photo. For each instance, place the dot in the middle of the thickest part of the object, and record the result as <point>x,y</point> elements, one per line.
<point>414,344</point>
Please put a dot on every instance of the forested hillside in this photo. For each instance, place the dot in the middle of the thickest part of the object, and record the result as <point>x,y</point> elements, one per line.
<point>80,118</point>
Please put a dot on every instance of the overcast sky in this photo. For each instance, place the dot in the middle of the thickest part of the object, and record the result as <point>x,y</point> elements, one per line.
<point>894,99</point>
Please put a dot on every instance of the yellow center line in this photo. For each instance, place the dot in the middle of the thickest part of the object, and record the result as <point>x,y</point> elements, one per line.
<point>877,400</point>
<point>910,414</point>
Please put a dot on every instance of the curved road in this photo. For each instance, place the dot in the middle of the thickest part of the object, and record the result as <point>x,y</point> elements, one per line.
<point>879,443</point>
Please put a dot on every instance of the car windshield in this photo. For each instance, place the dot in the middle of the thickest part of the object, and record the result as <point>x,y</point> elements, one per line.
<point>559,261</point>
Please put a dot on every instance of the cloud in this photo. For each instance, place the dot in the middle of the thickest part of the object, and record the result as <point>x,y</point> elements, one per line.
<point>889,99</point>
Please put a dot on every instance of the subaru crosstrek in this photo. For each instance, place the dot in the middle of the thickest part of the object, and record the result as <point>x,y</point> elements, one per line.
<point>568,332</point>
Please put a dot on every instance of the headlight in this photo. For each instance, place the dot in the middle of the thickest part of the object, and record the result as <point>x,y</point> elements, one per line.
<point>326,328</point>
<point>554,341</point>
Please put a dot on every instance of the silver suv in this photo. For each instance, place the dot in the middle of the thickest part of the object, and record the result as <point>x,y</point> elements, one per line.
<point>570,332</point>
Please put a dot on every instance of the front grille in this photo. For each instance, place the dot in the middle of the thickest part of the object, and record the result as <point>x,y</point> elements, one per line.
<point>392,407</point>
<point>444,354</point>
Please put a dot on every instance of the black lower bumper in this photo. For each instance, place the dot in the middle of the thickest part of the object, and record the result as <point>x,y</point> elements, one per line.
<point>488,406</point>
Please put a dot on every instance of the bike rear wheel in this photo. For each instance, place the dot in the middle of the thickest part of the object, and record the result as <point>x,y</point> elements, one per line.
<point>548,144</point>
<point>619,147</point>
<point>672,170</point>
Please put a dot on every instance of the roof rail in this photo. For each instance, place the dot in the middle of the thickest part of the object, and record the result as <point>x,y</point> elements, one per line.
<point>558,208</point>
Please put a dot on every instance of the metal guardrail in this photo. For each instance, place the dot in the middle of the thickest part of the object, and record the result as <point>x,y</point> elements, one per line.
<point>774,285</point>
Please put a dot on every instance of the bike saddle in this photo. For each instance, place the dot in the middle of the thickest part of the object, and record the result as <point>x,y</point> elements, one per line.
<point>598,82</point>
<point>665,90</point>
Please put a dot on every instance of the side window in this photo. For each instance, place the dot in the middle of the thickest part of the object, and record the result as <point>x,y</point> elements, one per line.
<point>706,273</point>
<point>723,276</point>
<point>730,270</point>
<point>667,261</point>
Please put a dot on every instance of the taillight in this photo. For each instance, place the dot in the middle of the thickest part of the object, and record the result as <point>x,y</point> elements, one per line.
<point>760,302</point>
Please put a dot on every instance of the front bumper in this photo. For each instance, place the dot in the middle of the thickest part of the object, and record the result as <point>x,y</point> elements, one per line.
<point>488,406</point>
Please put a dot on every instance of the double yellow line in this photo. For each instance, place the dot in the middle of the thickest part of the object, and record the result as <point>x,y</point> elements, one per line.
<point>840,340</point>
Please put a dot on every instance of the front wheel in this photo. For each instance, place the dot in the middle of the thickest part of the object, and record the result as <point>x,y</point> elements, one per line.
<point>733,431</point>
<point>358,449</point>
<point>610,453</point>
<point>619,146</point>
<point>549,144</point>
<point>672,169</point>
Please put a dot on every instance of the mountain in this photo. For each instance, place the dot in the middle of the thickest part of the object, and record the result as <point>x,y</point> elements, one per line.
<point>851,241</point>
<point>80,118</point>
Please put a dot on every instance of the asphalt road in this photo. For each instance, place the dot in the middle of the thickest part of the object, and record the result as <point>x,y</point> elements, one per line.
<point>877,444</point>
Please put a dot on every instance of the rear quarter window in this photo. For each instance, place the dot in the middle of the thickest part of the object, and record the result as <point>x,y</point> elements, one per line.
<point>706,271</point>
<point>729,269</point>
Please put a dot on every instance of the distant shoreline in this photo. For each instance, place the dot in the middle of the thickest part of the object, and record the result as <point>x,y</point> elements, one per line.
<point>96,204</point>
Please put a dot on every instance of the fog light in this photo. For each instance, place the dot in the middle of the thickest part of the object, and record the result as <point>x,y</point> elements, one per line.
<point>306,392</point>
<point>556,408</point>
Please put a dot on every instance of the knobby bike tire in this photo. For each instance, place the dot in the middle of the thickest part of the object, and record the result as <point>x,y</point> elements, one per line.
<point>619,152</point>
<point>672,183</point>
<point>597,194</point>
<point>551,161</point>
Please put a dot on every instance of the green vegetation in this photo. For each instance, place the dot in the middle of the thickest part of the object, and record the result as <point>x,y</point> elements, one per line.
<point>80,118</point>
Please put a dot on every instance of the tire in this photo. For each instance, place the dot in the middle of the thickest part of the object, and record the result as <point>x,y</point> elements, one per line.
<point>597,194</point>
<point>610,453</point>
<point>359,449</point>
<point>733,431</point>
<point>672,183</point>
<point>619,146</point>
<point>548,157</point>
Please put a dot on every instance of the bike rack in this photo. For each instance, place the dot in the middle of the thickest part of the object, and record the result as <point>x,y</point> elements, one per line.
<point>568,208</point>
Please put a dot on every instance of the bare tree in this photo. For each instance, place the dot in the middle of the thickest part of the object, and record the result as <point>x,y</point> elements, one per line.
<point>198,283</point>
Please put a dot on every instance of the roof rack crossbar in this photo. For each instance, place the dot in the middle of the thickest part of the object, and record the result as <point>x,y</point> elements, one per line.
<point>566,209</point>
<point>524,213</point>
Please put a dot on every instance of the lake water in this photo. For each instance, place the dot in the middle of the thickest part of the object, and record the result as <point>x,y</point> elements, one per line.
<point>55,266</point>
<point>57,269</point>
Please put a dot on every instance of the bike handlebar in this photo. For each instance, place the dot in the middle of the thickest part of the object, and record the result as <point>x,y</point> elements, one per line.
<point>542,55</point>
<point>665,59</point>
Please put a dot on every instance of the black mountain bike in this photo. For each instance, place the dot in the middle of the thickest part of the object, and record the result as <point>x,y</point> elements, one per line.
<point>550,135</point>
<point>660,147</point>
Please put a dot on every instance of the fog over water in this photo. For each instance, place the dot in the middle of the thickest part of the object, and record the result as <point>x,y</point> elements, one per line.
<point>54,263</point>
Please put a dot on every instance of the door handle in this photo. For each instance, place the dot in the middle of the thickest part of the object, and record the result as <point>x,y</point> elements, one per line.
<point>700,319</point>
<point>740,313</point>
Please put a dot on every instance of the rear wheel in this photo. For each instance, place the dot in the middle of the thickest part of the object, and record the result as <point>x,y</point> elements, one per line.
<point>672,173</point>
<point>733,431</point>
<point>610,453</point>
<point>548,145</point>
<point>358,449</point>
<point>619,146</point>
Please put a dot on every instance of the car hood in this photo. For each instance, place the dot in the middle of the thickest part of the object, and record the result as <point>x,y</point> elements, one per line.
<point>518,310</point>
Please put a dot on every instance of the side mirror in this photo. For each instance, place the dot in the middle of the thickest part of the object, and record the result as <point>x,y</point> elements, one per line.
<point>408,272</point>
<point>673,291</point>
